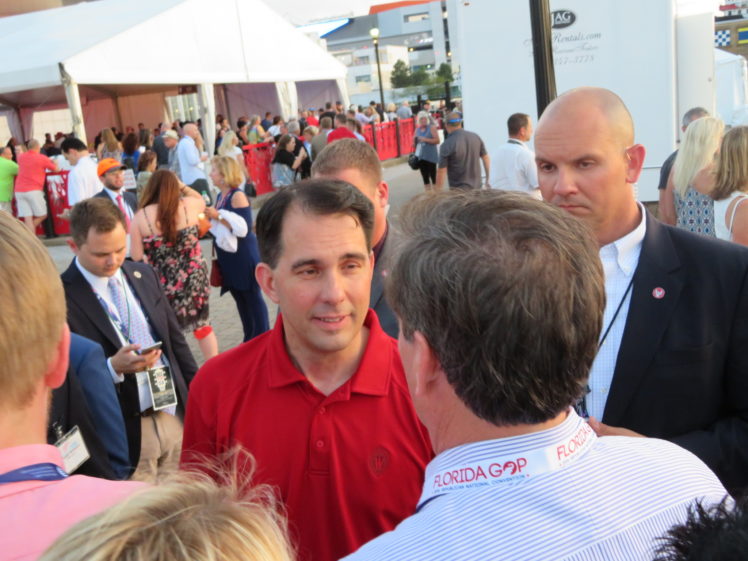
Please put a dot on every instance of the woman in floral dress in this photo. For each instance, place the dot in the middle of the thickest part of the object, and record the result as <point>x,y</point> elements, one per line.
<point>164,233</point>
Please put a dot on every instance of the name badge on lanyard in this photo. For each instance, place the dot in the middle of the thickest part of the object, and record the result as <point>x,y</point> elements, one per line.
<point>73,449</point>
<point>161,386</point>
<point>509,469</point>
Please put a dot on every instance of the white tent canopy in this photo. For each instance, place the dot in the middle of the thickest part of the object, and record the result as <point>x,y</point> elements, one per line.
<point>91,55</point>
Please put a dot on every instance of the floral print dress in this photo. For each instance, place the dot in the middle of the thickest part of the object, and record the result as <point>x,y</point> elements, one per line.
<point>183,273</point>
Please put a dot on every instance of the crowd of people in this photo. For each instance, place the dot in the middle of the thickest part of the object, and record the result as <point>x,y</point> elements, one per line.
<point>524,365</point>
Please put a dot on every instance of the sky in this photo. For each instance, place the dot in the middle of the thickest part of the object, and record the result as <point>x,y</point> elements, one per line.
<point>300,12</point>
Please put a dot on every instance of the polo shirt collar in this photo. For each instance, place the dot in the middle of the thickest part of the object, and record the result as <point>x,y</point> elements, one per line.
<point>371,378</point>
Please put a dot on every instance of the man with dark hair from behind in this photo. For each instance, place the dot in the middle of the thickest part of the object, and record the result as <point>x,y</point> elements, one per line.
<point>321,400</point>
<point>518,474</point>
<point>83,180</point>
<point>711,533</point>
<point>513,163</point>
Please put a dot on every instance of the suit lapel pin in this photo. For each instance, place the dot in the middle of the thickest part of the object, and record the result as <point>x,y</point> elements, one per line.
<point>659,293</point>
<point>138,275</point>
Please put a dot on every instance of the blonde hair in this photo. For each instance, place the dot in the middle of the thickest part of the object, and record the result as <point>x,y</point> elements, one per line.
<point>698,150</point>
<point>230,169</point>
<point>189,518</point>
<point>33,313</point>
<point>110,141</point>
<point>227,144</point>
<point>732,164</point>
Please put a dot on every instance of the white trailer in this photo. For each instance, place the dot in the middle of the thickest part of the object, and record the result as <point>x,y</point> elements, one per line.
<point>657,55</point>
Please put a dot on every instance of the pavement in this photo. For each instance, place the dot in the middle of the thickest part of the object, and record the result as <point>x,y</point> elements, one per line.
<point>404,184</point>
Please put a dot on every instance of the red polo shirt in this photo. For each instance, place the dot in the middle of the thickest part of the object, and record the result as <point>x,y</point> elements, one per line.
<point>349,466</point>
<point>338,133</point>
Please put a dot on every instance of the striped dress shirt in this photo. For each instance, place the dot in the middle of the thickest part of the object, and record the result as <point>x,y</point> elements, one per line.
<point>610,502</point>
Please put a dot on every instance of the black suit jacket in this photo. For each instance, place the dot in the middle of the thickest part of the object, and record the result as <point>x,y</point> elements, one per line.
<point>682,369</point>
<point>130,198</point>
<point>87,317</point>
<point>377,301</point>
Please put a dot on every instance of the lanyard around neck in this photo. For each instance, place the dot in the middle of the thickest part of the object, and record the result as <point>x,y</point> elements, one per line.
<point>46,471</point>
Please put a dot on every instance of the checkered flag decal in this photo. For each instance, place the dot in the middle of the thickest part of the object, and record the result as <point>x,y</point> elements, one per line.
<point>722,38</point>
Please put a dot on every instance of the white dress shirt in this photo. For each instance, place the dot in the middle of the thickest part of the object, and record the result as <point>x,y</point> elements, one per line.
<point>189,160</point>
<point>513,168</point>
<point>83,181</point>
<point>620,260</point>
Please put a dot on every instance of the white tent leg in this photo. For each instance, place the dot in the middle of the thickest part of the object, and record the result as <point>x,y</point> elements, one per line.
<point>207,104</point>
<point>288,99</point>
<point>74,103</point>
<point>343,89</point>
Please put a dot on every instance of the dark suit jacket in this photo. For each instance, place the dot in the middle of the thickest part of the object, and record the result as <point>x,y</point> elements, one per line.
<point>377,302</point>
<point>682,369</point>
<point>88,365</point>
<point>86,317</point>
<point>130,198</point>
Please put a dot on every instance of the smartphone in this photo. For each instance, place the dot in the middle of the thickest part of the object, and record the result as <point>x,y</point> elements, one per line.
<point>149,349</point>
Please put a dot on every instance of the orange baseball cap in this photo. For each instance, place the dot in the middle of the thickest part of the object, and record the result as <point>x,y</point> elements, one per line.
<point>108,164</point>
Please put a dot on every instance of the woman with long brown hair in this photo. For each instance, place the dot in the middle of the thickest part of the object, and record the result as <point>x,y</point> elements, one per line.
<point>164,233</point>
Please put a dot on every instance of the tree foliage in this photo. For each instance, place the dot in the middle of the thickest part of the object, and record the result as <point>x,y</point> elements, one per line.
<point>444,73</point>
<point>400,77</point>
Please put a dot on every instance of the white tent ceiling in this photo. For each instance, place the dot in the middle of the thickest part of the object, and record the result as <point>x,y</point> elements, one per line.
<point>156,43</point>
<point>116,48</point>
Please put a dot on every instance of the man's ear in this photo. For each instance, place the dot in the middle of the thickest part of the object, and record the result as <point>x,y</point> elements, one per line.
<point>71,244</point>
<point>426,367</point>
<point>58,367</point>
<point>266,280</point>
<point>383,193</point>
<point>634,162</point>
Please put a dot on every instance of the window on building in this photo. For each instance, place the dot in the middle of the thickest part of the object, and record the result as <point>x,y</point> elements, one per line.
<point>414,18</point>
<point>361,60</point>
<point>366,78</point>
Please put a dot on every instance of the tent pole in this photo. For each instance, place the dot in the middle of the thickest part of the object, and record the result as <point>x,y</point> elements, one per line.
<point>207,101</point>
<point>74,103</point>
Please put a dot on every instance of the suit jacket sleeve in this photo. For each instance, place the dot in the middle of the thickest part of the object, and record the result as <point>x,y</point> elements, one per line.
<point>722,446</point>
<point>88,364</point>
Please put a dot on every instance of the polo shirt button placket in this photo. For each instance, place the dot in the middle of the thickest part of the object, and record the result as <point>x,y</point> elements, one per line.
<point>320,441</point>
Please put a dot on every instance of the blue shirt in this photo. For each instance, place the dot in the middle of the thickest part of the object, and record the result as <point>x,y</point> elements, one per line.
<point>608,502</point>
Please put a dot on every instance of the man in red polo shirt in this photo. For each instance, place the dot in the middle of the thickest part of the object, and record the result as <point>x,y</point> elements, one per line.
<point>29,189</point>
<point>341,129</point>
<point>321,401</point>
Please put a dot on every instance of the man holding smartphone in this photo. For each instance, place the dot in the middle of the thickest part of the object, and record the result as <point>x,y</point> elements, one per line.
<point>121,306</point>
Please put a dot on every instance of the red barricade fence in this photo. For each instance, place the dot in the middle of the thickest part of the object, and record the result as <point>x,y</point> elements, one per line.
<point>386,134</point>
<point>369,135</point>
<point>57,201</point>
<point>407,129</point>
<point>56,195</point>
<point>258,158</point>
<point>390,140</point>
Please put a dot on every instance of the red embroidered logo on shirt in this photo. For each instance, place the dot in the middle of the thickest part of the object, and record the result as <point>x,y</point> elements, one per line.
<point>379,460</point>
